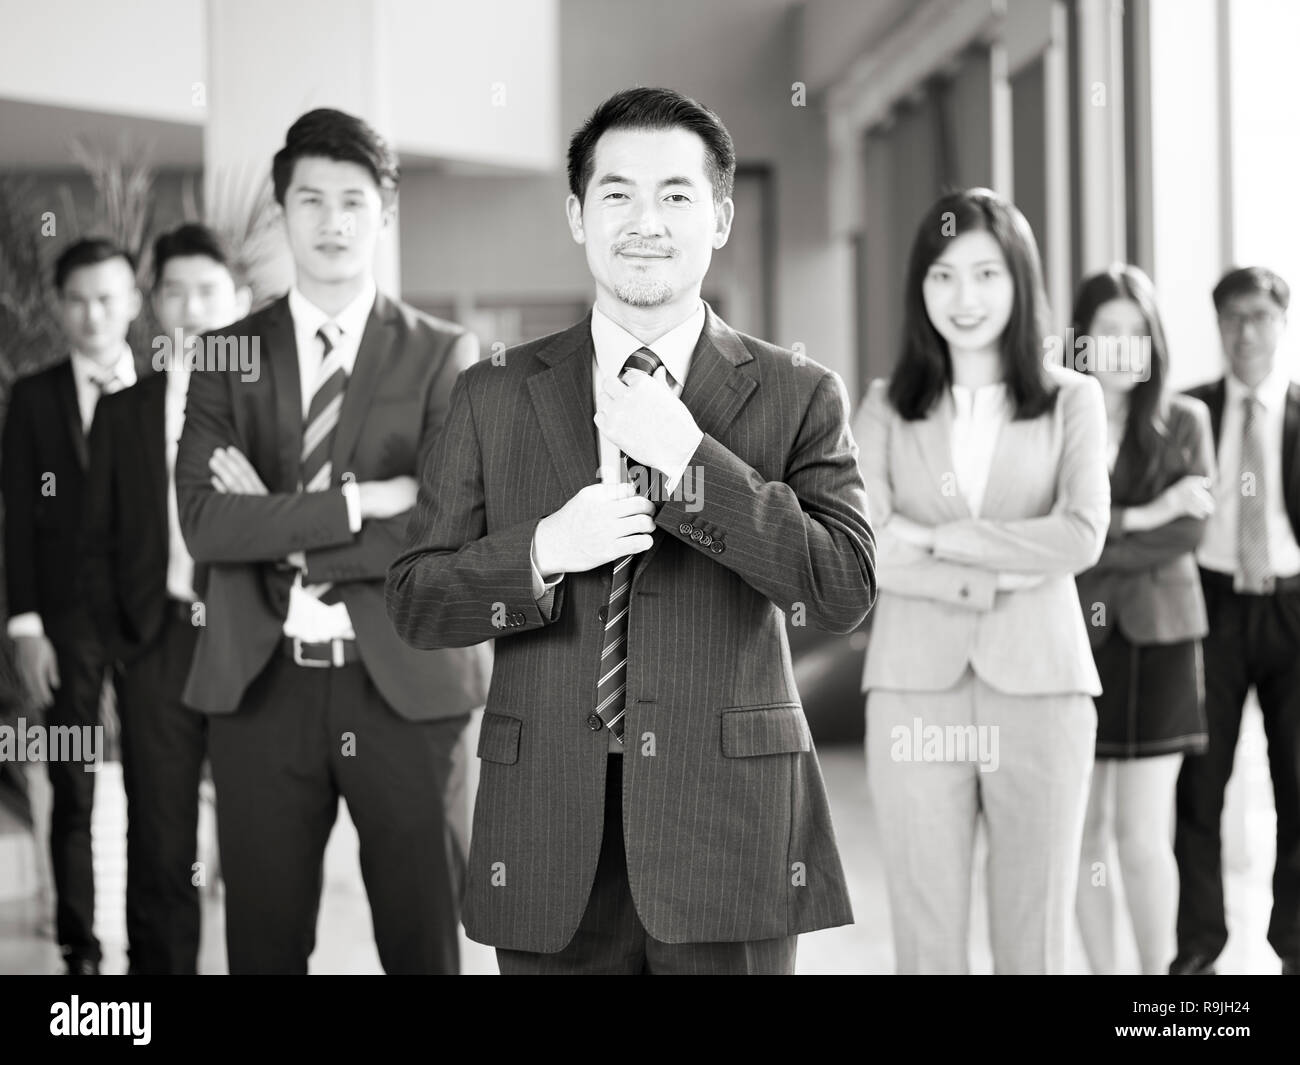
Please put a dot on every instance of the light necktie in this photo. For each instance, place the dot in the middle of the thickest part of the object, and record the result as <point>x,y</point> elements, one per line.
<point>611,688</point>
<point>1252,513</point>
<point>322,421</point>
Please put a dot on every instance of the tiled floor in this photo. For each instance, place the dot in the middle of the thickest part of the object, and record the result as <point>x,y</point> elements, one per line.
<point>345,939</point>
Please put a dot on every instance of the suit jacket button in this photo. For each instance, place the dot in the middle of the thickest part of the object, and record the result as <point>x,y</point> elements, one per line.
<point>697,535</point>
<point>707,541</point>
<point>594,722</point>
<point>965,591</point>
<point>602,613</point>
<point>686,528</point>
<point>717,547</point>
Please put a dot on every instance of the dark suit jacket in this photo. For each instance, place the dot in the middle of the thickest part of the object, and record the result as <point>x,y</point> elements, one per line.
<point>1147,582</point>
<point>1214,395</point>
<point>393,408</point>
<point>45,460</point>
<point>728,831</point>
<point>126,534</point>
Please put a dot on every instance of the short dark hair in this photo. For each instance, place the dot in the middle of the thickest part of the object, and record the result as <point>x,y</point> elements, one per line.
<point>654,109</point>
<point>330,134</point>
<point>924,369</point>
<point>89,252</point>
<point>186,240</point>
<point>1246,281</point>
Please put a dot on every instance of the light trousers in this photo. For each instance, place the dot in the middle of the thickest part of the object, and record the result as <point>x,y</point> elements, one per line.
<point>938,760</point>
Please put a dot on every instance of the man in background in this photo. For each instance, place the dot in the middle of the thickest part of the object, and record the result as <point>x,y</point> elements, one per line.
<point>143,590</point>
<point>60,658</point>
<point>1250,571</point>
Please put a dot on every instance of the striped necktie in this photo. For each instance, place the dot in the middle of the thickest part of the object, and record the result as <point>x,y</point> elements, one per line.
<point>611,688</point>
<point>322,421</point>
<point>1252,513</point>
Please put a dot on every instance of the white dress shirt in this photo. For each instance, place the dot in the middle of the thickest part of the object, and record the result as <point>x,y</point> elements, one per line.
<point>308,618</point>
<point>978,417</point>
<point>180,566</point>
<point>86,373</point>
<point>1218,549</point>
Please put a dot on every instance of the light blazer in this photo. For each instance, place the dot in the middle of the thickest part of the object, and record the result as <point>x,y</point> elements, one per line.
<point>727,826</point>
<point>394,405</point>
<point>1146,583</point>
<point>1045,512</point>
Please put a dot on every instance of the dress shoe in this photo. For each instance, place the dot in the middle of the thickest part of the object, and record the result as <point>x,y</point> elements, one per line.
<point>1291,966</point>
<point>79,966</point>
<point>1192,965</point>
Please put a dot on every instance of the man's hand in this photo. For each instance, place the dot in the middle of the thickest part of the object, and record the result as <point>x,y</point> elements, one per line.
<point>599,524</point>
<point>384,499</point>
<point>38,668</point>
<point>646,421</point>
<point>234,474</point>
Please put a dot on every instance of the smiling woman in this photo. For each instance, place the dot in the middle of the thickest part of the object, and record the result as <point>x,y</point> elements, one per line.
<point>987,480</point>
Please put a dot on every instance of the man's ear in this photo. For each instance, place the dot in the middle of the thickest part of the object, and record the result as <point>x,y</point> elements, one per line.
<point>136,303</point>
<point>573,210</point>
<point>388,207</point>
<point>724,215</point>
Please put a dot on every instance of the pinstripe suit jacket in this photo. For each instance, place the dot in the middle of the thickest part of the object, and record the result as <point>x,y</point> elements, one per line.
<point>727,827</point>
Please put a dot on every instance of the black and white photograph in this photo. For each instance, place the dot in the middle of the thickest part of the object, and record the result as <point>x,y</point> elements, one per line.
<point>644,487</point>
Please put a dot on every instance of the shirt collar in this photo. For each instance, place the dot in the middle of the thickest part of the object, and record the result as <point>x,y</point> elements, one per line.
<point>88,369</point>
<point>675,348</point>
<point>351,319</point>
<point>1271,391</point>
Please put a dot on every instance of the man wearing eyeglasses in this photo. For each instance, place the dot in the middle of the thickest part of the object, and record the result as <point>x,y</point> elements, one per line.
<point>1250,570</point>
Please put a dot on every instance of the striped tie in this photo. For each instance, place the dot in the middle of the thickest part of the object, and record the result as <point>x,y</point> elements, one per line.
<point>322,420</point>
<point>611,689</point>
<point>1252,515</point>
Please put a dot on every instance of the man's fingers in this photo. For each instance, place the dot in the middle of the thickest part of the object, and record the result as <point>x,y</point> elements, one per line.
<point>219,484</point>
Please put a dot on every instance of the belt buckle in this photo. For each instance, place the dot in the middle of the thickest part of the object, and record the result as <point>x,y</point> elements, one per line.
<point>312,663</point>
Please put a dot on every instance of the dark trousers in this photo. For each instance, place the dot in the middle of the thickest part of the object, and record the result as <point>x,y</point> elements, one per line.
<point>301,738</point>
<point>82,668</point>
<point>611,939</point>
<point>1254,640</point>
<point>163,744</point>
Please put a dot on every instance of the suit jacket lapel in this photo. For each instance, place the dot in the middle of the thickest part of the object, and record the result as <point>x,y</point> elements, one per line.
<point>1215,400</point>
<point>378,345</point>
<point>714,392</point>
<point>151,435</point>
<point>1290,435</point>
<point>66,385</point>
<point>282,354</point>
<point>562,401</point>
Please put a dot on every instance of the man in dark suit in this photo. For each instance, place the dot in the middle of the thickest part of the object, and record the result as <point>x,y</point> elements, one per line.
<point>141,586</point>
<point>294,480</point>
<point>60,658</point>
<point>649,799</point>
<point>1250,570</point>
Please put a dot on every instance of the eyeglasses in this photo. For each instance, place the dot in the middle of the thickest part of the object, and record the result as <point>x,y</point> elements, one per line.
<point>1261,319</point>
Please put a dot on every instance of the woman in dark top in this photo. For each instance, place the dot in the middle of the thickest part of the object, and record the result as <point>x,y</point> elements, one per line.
<point>1145,614</point>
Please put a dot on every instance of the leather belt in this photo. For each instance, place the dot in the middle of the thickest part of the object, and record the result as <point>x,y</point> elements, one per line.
<point>1226,582</point>
<point>323,655</point>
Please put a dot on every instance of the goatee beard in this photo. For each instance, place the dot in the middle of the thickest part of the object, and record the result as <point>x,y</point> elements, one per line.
<point>644,293</point>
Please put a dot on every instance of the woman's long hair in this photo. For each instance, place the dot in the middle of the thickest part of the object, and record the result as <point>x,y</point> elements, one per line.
<point>924,369</point>
<point>1147,424</point>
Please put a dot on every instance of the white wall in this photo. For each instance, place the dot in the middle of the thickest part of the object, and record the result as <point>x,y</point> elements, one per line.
<point>141,58</point>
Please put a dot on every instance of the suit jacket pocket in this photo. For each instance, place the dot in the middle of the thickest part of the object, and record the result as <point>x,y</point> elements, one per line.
<point>498,739</point>
<point>775,728</point>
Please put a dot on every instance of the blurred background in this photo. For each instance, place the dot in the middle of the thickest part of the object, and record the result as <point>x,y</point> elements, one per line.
<point>1159,132</point>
